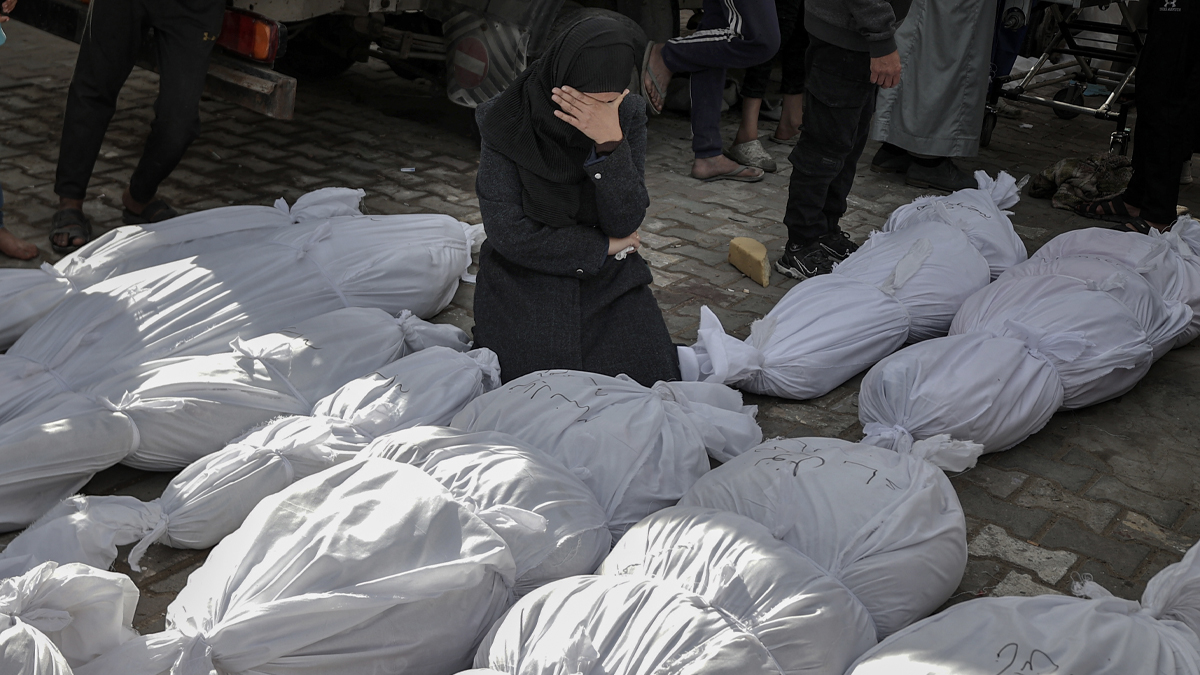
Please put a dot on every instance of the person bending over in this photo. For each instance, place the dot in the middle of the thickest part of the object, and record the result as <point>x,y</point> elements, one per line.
<point>561,187</point>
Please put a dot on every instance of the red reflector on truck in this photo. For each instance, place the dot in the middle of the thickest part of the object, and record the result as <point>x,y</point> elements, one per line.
<point>249,35</point>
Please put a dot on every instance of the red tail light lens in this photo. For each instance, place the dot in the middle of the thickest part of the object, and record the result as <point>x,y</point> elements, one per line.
<point>249,35</point>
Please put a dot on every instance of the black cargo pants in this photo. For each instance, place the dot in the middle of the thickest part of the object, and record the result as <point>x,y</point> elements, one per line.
<point>184,34</point>
<point>839,100</point>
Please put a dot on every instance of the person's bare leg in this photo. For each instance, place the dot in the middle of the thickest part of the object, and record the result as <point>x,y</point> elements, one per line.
<point>660,72</point>
<point>61,240</point>
<point>748,129</point>
<point>14,247</point>
<point>791,117</point>
<point>707,167</point>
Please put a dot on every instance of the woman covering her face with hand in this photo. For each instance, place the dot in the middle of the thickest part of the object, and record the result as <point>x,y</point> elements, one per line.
<point>562,190</point>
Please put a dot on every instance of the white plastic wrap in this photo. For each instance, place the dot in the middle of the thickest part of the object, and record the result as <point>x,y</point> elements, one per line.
<point>1112,348</point>
<point>167,414</point>
<point>1102,635</point>
<point>84,612</point>
<point>27,295</point>
<point>639,449</point>
<point>25,651</point>
<point>887,525</point>
<point>803,616</point>
<point>995,391</point>
<point>1163,321</point>
<point>979,213</point>
<point>594,624</point>
<point>900,286</point>
<point>495,470</point>
<point>212,496</point>
<point>367,567</point>
<point>197,306</point>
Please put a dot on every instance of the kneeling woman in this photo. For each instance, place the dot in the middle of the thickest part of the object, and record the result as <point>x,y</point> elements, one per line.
<point>562,191</point>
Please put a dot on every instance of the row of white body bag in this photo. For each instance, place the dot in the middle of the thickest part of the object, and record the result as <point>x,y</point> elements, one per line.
<point>438,549</point>
<point>156,345</point>
<point>389,529</point>
<point>1080,322</point>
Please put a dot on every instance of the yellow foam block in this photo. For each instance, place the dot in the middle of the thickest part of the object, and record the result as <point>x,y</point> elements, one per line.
<point>750,257</point>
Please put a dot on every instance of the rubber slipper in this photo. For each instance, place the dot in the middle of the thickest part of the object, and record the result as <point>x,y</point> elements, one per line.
<point>734,175</point>
<point>72,223</point>
<point>1111,210</point>
<point>1133,224</point>
<point>658,88</point>
<point>154,212</point>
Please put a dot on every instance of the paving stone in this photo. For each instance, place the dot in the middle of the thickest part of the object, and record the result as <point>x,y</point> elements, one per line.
<point>1043,494</point>
<point>1029,458</point>
<point>1023,585</point>
<point>997,482</point>
<point>1021,522</point>
<point>994,542</point>
<point>1136,526</point>
<point>1122,557</point>
<point>1164,512</point>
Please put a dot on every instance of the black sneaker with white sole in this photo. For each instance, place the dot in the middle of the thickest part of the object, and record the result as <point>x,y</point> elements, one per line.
<point>804,263</point>
<point>837,245</point>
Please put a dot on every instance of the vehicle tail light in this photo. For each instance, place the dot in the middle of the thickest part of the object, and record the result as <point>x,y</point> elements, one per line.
<point>250,35</point>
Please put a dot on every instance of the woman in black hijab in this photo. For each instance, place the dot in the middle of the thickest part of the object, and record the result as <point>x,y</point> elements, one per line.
<point>562,190</point>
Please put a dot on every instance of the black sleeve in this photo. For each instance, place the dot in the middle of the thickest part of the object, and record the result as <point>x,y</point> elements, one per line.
<point>620,178</point>
<point>573,251</point>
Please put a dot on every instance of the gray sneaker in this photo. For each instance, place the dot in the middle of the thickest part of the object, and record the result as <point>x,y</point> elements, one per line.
<point>944,176</point>
<point>752,153</point>
<point>805,262</point>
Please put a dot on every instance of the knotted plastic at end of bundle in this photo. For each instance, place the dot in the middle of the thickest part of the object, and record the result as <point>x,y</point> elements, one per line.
<point>43,619</point>
<point>722,358</point>
<point>475,236</point>
<point>1174,593</point>
<point>489,366</point>
<point>54,272</point>
<point>156,533</point>
<point>946,453</point>
<point>940,450</point>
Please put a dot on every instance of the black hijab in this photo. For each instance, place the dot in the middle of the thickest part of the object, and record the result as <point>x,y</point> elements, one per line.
<point>595,55</point>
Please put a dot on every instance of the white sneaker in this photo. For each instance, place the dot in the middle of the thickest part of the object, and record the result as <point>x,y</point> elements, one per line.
<point>1185,177</point>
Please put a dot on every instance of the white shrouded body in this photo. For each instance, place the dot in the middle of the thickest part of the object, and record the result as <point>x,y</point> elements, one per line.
<point>370,566</point>
<point>1045,634</point>
<point>807,619</point>
<point>886,524</point>
<point>212,496</point>
<point>28,295</point>
<point>493,469</point>
<point>638,448</point>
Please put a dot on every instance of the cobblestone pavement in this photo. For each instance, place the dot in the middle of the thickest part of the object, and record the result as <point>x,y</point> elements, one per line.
<point>1109,491</point>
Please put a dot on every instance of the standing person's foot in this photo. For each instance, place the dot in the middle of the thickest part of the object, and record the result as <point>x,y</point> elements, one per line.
<point>14,247</point>
<point>655,77</point>
<point>837,245</point>
<point>805,261</point>
<point>944,174</point>
<point>890,159</point>
<point>69,229</point>
<point>752,153</point>
<point>722,168</point>
<point>137,213</point>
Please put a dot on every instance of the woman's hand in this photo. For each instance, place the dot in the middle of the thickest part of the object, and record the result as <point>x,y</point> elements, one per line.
<point>7,6</point>
<point>615,245</point>
<point>598,120</point>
